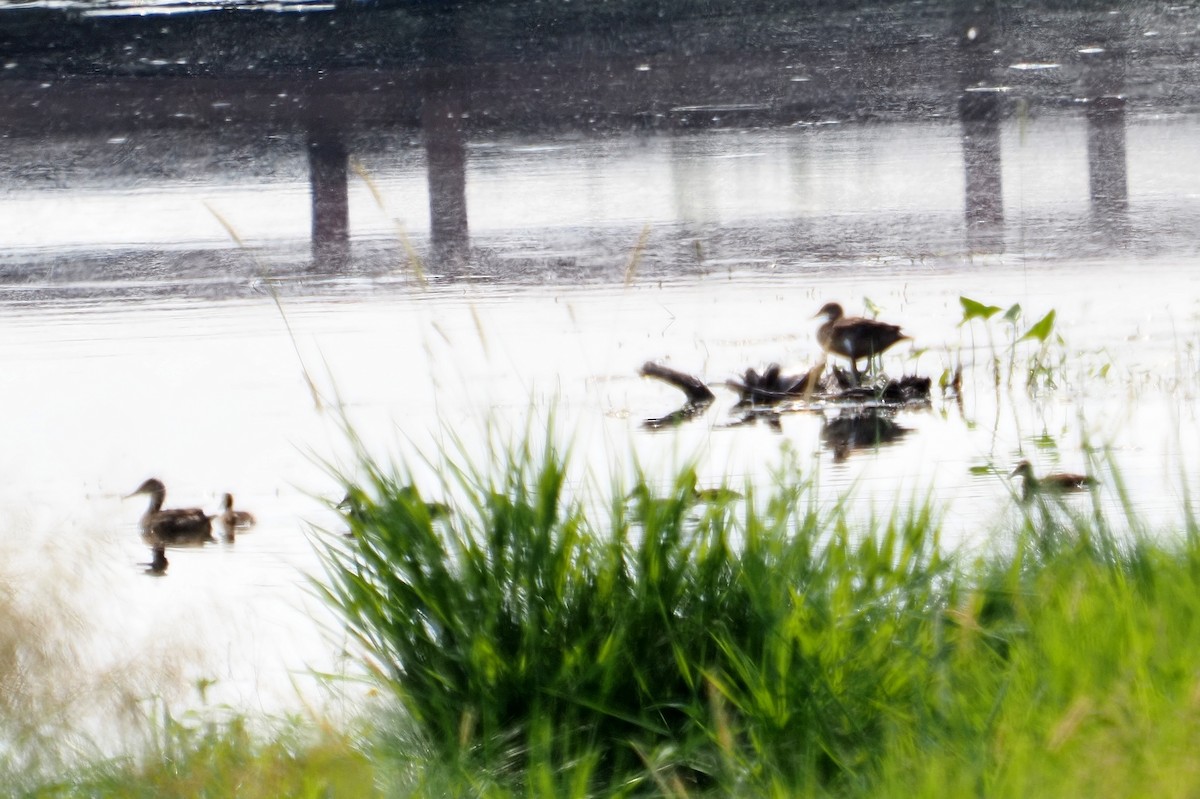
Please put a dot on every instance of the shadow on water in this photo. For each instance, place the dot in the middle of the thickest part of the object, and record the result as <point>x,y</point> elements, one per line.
<point>854,430</point>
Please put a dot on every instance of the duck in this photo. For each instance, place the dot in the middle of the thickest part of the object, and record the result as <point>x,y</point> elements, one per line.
<point>354,505</point>
<point>174,525</point>
<point>1059,483</point>
<point>718,495</point>
<point>231,520</point>
<point>854,337</point>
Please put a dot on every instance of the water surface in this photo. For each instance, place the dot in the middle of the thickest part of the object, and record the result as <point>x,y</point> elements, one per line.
<point>137,339</point>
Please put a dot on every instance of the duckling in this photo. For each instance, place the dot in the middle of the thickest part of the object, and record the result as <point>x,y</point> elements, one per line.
<point>853,337</point>
<point>1051,483</point>
<point>172,526</point>
<point>720,495</point>
<point>231,519</point>
<point>353,505</point>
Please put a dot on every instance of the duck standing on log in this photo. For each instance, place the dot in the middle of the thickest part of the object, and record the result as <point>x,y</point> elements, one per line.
<point>173,525</point>
<point>854,337</point>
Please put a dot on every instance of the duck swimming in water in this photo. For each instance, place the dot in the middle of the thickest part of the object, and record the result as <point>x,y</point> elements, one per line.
<point>174,525</point>
<point>1051,483</point>
<point>231,520</point>
<point>853,337</point>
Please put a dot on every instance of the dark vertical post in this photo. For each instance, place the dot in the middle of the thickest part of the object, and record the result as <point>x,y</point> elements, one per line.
<point>980,108</point>
<point>446,159</point>
<point>1107,172</point>
<point>442,123</point>
<point>327,165</point>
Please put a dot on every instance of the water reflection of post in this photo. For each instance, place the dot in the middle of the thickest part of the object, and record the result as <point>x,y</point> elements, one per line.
<point>980,113</point>
<point>327,163</point>
<point>442,116</point>
<point>980,108</point>
<point>1107,177</point>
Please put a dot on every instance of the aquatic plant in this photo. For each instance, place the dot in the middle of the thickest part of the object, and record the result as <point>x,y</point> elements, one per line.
<point>1044,367</point>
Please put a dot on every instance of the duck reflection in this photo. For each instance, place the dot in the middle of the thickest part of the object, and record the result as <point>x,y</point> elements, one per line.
<point>158,564</point>
<point>859,429</point>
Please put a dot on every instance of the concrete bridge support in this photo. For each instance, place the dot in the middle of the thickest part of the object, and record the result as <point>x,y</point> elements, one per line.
<point>328,162</point>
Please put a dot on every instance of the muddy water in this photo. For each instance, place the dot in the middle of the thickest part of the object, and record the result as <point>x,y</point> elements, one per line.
<point>208,389</point>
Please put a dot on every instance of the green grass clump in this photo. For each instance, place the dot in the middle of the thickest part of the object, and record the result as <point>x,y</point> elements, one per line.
<point>224,759</point>
<point>764,645</point>
<point>697,643</point>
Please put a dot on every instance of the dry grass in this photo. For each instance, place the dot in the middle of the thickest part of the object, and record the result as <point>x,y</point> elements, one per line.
<point>74,680</point>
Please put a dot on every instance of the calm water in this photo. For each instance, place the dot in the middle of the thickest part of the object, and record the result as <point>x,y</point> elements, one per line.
<point>132,371</point>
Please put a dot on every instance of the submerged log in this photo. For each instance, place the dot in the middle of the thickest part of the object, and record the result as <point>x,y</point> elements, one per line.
<point>673,418</point>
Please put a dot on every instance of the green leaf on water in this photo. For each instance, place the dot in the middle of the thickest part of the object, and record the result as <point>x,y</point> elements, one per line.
<point>1045,441</point>
<point>982,469</point>
<point>974,310</point>
<point>872,308</point>
<point>1040,330</point>
<point>1104,370</point>
<point>944,380</point>
<point>1013,313</point>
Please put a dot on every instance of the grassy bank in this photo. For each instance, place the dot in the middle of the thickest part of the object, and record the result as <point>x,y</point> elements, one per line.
<point>686,642</point>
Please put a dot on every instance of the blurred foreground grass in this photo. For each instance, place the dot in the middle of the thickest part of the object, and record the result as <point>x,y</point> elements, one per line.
<point>674,642</point>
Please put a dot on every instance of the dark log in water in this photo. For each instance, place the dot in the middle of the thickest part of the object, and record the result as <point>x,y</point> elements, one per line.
<point>696,390</point>
<point>699,395</point>
<point>759,393</point>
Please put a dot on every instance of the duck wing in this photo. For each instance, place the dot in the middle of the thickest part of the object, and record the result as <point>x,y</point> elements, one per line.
<point>855,337</point>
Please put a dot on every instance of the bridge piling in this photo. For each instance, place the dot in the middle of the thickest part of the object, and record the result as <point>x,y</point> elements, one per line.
<point>328,162</point>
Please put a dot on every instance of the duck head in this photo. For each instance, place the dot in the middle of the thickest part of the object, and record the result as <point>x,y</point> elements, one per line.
<point>1024,469</point>
<point>830,311</point>
<point>151,486</point>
